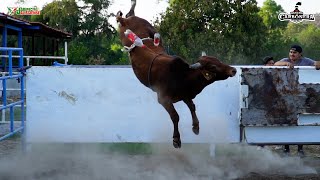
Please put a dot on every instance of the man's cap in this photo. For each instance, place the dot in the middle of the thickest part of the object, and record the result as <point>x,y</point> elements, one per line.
<point>266,59</point>
<point>296,48</point>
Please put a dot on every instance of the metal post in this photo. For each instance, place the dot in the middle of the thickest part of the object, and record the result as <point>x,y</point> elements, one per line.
<point>4,96</point>
<point>28,61</point>
<point>20,39</point>
<point>10,63</point>
<point>3,111</point>
<point>11,108</point>
<point>65,53</point>
<point>11,119</point>
<point>23,139</point>
<point>4,44</point>
<point>3,116</point>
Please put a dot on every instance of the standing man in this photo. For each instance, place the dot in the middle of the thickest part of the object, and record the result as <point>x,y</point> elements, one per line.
<point>296,59</point>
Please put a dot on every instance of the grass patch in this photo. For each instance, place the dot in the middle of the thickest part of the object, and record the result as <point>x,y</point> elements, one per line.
<point>15,136</point>
<point>127,148</point>
<point>12,137</point>
<point>105,148</point>
<point>16,114</point>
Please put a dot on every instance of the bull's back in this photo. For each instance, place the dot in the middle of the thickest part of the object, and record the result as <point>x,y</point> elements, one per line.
<point>169,75</point>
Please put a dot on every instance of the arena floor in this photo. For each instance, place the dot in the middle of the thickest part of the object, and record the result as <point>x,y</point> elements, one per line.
<point>89,161</point>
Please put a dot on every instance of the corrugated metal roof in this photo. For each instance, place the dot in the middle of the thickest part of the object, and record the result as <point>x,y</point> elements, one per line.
<point>30,28</point>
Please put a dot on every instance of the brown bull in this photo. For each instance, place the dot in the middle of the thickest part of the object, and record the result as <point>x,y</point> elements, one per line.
<point>170,77</point>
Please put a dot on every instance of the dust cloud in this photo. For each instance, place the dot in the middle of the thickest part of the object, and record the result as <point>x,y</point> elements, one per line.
<point>192,161</point>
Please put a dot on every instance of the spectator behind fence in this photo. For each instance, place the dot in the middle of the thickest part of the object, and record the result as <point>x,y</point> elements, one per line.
<point>296,59</point>
<point>268,61</point>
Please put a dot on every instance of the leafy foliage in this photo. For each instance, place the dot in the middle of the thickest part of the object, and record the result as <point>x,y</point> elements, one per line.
<point>93,36</point>
<point>63,15</point>
<point>231,30</point>
<point>307,35</point>
<point>269,14</point>
<point>276,44</point>
<point>236,31</point>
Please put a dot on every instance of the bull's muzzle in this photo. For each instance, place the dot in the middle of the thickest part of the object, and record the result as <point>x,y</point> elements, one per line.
<point>232,72</point>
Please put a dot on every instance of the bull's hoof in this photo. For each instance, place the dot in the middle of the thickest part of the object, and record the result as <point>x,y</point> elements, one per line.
<point>195,130</point>
<point>176,143</point>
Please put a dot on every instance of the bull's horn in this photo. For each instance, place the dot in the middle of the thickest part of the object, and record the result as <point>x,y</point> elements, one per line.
<point>195,65</point>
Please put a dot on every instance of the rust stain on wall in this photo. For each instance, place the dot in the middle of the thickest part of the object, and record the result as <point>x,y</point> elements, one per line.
<point>276,98</point>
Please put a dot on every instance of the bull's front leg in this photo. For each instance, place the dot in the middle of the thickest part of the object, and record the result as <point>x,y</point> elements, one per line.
<point>175,120</point>
<point>195,121</point>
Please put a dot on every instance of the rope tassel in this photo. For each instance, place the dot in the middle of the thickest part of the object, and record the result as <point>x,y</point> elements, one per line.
<point>134,38</point>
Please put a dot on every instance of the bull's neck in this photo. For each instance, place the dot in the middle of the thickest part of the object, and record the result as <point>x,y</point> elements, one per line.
<point>141,56</point>
<point>157,49</point>
<point>141,61</point>
<point>198,81</point>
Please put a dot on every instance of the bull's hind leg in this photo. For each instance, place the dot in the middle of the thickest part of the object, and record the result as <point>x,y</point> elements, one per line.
<point>195,121</point>
<point>175,120</point>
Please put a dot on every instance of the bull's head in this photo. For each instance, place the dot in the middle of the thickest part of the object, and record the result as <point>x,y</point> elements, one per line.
<point>213,69</point>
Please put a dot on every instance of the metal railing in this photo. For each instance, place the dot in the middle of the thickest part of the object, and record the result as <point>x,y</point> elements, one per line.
<point>65,57</point>
<point>21,102</point>
<point>39,57</point>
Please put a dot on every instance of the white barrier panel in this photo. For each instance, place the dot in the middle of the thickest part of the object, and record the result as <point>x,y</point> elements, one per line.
<point>283,134</point>
<point>109,104</point>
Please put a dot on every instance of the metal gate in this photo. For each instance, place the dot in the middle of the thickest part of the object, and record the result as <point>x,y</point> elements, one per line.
<point>10,74</point>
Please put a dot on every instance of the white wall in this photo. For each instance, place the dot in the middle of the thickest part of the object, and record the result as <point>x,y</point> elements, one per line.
<point>109,104</point>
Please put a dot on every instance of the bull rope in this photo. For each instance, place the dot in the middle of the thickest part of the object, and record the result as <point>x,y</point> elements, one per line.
<point>150,67</point>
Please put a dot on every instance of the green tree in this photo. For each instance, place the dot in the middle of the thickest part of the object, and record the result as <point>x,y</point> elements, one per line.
<point>93,37</point>
<point>307,35</point>
<point>78,53</point>
<point>231,30</point>
<point>95,17</point>
<point>94,40</point>
<point>269,13</point>
<point>61,14</point>
<point>276,43</point>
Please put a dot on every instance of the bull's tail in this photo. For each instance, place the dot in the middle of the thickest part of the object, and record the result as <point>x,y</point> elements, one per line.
<point>133,6</point>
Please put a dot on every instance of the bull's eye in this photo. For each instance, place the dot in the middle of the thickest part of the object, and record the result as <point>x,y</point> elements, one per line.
<point>213,67</point>
<point>207,74</point>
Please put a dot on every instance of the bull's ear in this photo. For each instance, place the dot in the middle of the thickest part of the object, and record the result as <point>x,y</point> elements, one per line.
<point>195,66</point>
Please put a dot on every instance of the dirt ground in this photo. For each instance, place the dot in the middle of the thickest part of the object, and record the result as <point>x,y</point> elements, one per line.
<point>74,161</point>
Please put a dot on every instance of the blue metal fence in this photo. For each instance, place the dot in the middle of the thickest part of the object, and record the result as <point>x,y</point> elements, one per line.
<point>20,77</point>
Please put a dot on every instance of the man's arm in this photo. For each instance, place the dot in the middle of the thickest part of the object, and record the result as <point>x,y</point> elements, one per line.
<point>317,64</point>
<point>283,63</point>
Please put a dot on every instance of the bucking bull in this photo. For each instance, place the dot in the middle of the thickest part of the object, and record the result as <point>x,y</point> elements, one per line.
<point>171,77</point>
